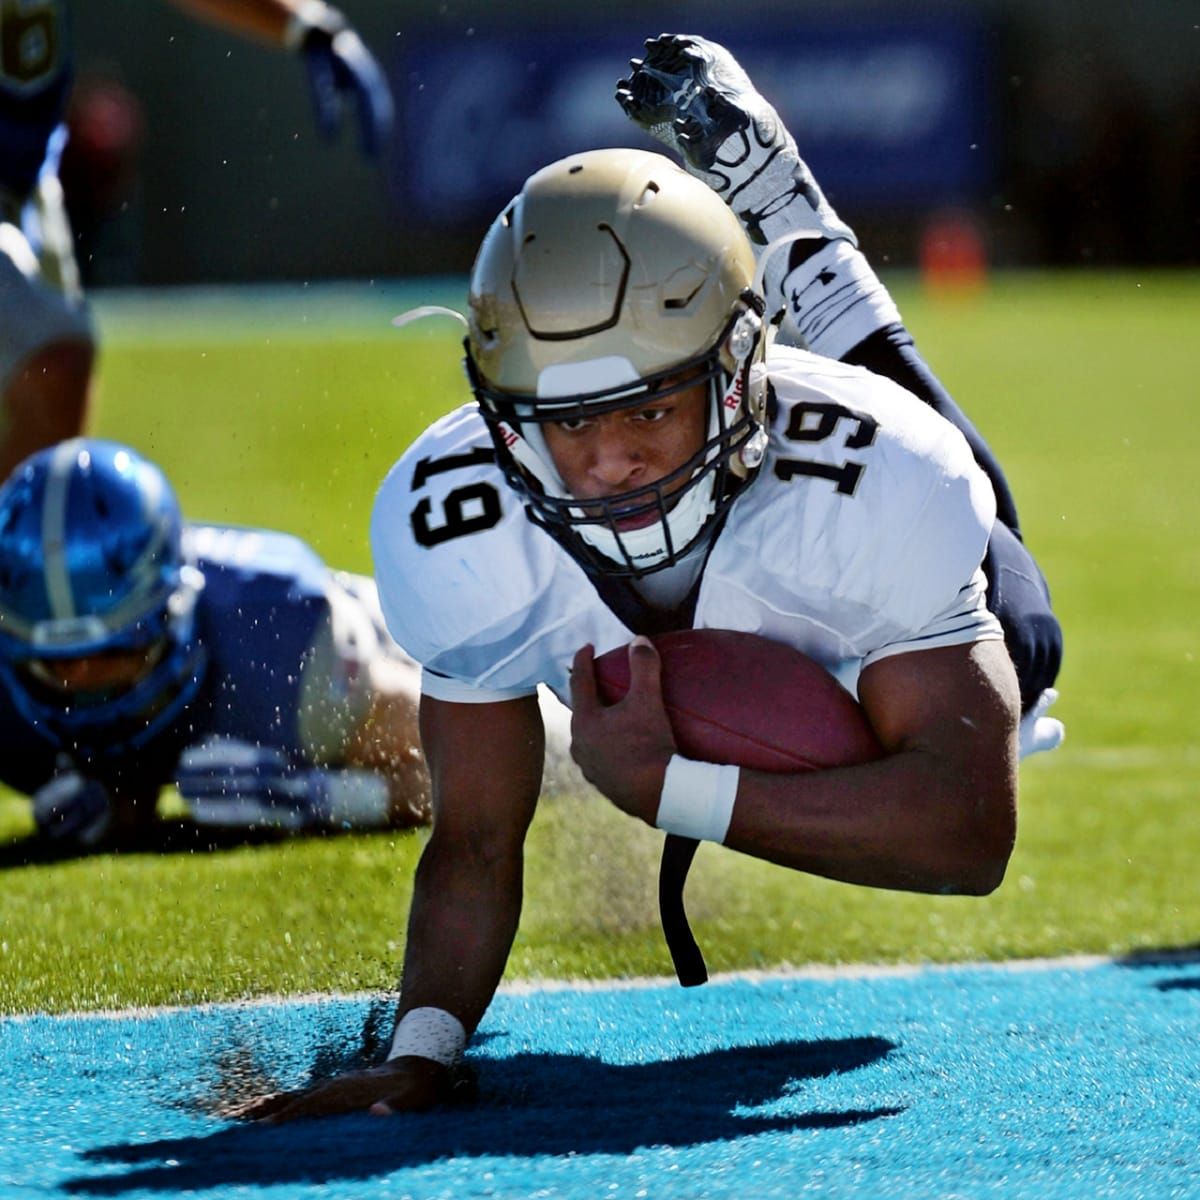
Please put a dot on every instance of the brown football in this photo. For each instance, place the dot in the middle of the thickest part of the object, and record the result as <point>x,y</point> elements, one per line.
<point>743,699</point>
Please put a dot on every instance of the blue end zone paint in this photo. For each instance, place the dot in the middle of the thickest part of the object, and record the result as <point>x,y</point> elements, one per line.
<point>973,1081</point>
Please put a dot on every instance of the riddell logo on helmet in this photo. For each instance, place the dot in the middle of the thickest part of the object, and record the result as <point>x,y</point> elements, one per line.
<point>733,397</point>
<point>510,438</point>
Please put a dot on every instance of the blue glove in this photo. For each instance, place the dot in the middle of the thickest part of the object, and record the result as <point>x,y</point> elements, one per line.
<point>72,810</point>
<point>240,785</point>
<point>342,70</point>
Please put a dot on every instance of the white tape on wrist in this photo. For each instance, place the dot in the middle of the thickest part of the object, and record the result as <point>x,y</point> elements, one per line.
<point>305,16</point>
<point>431,1033</point>
<point>697,799</point>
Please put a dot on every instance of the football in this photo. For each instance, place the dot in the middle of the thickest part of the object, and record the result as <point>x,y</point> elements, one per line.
<point>743,699</point>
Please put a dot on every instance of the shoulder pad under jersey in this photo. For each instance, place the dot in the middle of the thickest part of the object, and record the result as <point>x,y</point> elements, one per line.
<point>231,555</point>
<point>869,505</point>
<point>469,587</point>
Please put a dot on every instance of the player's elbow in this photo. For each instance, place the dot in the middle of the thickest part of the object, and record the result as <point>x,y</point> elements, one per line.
<point>981,876</point>
<point>981,849</point>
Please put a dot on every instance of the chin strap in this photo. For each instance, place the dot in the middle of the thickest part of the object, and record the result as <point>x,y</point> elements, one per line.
<point>677,856</point>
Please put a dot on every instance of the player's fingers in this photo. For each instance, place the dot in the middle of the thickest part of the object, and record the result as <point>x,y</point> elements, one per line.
<point>327,104</point>
<point>583,681</point>
<point>350,1093</point>
<point>318,1103</point>
<point>361,77</point>
<point>418,1092</point>
<point>261,1109</point>
<point>645,668</point>
<point>413,1100</point>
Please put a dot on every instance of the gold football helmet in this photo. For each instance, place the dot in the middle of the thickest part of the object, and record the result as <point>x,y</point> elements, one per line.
<point>609,278</point>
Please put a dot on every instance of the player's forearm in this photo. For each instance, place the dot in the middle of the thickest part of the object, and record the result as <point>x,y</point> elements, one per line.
<point>465,910</point>
<point>912,821</point>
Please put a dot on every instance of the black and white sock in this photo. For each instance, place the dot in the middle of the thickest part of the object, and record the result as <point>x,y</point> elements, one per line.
<point>833,298</point>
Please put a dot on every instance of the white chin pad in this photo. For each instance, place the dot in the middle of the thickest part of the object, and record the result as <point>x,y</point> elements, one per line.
<point>648,546</point>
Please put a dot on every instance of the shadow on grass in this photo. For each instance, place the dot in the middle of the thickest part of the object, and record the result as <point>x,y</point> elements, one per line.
<point>528,1106</point>
<point>163,837</point>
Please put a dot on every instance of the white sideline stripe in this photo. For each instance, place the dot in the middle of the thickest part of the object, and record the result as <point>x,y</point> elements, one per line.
<point>819,971</point>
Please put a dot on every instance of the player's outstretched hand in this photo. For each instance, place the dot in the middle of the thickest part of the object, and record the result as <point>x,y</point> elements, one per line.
<point>73,810</point>
<point>341,71</point>
<point>623,749</point>
<point>235,784</point>
<point>405,1084</point>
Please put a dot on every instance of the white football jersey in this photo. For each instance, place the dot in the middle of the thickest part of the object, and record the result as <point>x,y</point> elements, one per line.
<point>861,536</point>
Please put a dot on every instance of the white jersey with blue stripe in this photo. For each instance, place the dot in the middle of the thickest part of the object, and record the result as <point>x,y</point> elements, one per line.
<point>861,537</point>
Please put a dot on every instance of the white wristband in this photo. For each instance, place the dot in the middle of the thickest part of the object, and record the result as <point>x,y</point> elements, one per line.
<point>697,799</point>
<point>431,1033</point>
<point>305,16</point>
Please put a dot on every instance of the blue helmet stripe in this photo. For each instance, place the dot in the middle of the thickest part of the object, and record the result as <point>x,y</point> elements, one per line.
<point>56,570</point>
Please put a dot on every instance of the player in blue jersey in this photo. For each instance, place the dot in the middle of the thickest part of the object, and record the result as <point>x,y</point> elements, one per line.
<point>645,455</point>
<point>47,342</point>
<point>137,651</point>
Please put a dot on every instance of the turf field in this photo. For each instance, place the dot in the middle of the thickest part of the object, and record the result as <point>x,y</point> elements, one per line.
<point>1067,1081</point>
<point>286,409</point>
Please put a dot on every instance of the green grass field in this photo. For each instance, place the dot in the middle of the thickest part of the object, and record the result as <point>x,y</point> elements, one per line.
<point>288,410</point>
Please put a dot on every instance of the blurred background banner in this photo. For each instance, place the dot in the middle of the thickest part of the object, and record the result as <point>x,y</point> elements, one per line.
<point>1058,134</point>
<point>890,113</point>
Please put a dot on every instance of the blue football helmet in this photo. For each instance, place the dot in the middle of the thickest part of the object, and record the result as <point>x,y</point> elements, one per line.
<point>91,563</point>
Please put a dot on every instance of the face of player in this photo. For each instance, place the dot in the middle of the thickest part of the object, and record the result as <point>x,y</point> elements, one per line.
<point>632,448</point>
<point>95,676</point>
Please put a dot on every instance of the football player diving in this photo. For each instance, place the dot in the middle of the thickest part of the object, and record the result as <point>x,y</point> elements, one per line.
<point>642,455</point>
